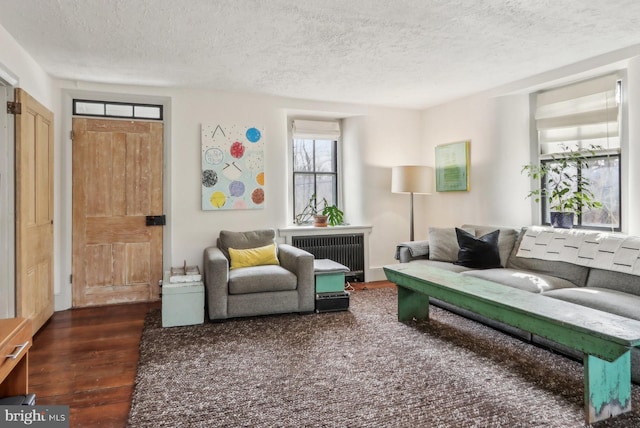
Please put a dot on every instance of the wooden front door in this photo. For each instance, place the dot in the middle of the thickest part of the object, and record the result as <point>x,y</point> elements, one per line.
<point>117,182</point>
<point>34,210</point>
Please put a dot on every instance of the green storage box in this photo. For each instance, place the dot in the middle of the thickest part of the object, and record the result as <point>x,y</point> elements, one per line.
<point>329,276</point>
<point>182,303</point>
<point>329,283</point>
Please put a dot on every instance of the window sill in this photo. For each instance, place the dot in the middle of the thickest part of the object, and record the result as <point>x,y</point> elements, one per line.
<point>289,231</point>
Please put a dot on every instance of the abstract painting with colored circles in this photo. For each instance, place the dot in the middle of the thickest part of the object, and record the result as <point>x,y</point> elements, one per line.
<point>232,167</point>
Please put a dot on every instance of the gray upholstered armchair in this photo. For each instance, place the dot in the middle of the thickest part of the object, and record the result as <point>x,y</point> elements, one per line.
<point>288,286</point>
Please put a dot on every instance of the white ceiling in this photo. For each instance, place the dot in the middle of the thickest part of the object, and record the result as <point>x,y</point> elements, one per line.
<point>405,53</point>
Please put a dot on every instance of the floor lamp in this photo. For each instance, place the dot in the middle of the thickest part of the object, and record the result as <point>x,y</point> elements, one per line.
<point>412,179</point>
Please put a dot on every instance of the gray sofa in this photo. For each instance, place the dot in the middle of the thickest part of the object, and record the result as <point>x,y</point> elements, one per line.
<point>288,286</point>
<point>597,279</point>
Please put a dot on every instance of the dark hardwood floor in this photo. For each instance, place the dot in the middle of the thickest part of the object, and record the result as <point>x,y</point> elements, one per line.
<point>87,359</point>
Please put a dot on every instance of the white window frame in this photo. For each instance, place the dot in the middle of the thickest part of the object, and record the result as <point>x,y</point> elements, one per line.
<point>620,149</point>
<point>318,129</point>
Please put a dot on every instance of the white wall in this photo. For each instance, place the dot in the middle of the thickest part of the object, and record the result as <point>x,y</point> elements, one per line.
<point>31,76</point>
<point>498,128</point>
<point>372,145</point>
<point>15,62</point>
<point>374,140</point>
<point>630,193</point>
<point>372,135</point>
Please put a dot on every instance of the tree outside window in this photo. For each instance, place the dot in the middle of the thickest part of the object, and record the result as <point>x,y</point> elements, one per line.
<point>603,173</point>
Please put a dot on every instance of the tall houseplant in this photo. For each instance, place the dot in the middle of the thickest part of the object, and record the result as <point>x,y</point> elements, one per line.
<point>566,189</point>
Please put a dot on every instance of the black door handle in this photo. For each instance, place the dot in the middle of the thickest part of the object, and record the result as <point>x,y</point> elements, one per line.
<point>156,220</point>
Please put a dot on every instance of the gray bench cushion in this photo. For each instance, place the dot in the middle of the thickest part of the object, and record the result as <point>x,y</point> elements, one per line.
<point>273,278</point>
<point>524,280</point>
<point>612,301</point>
<point>614,281</point>
<point>442,265</point>
<point>574,273</point>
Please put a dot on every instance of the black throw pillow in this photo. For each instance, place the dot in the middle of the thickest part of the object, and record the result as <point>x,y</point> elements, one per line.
<point>479,253</point>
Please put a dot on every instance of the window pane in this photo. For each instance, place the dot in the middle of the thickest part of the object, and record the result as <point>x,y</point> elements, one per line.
<point>325,161</point>
<point>119,110</point>
<point>303,188</point>
<point>604,174</point>
<point>314,172</point>
<point>303,155</point>
<point>555,178</point>
<point>83,107</point>
<point>147,112</point>
<point>326,185</point>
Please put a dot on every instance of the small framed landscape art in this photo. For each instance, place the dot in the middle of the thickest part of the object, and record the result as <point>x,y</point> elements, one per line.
<point>452,167</point>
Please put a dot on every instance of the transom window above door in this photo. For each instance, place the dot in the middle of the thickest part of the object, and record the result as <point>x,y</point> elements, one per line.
<point>117,110</point>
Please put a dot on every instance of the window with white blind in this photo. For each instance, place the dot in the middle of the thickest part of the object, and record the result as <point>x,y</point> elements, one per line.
<point>315,163</point>
<point>585,115</point>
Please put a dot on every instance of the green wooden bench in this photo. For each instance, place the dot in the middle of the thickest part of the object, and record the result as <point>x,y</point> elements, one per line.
<point>605,339</point>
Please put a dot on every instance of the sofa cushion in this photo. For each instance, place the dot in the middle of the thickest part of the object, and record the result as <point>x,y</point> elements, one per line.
<point>479,253</point>
<point>259,256</point>
<point>506,240</point>
<point>603,299</point>
<point>523,280</point>
<point>614,281</point>
<point>574,273</point>
<point>259,279</point>
<point>244,240</point>
<point>443,243</point>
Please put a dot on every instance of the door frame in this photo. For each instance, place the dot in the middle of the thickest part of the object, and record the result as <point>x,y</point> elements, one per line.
<point>8,82</point>
<point>65,299</point>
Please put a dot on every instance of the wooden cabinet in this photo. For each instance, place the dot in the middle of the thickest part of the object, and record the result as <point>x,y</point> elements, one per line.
<point>15,342</point>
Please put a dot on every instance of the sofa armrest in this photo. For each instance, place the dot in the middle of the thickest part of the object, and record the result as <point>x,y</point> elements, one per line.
<point>216,280</point>
<point>412,250</point>
<point>300,262</point>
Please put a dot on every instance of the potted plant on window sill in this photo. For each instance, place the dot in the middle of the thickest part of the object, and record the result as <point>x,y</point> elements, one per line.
<point>321,212</point>
<point>567,191</point>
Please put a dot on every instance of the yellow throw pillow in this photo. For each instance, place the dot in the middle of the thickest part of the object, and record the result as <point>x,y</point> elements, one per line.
<point>254,256</point>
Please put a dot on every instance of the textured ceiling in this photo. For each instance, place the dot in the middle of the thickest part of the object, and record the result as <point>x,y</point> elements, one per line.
<point>407,53</point>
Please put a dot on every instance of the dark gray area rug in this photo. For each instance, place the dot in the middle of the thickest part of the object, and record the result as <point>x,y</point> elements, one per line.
<point>360,368</point>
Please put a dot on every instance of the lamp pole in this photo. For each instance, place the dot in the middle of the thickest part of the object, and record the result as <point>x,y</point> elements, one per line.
<point>411,219</point>
<point>412,179</point>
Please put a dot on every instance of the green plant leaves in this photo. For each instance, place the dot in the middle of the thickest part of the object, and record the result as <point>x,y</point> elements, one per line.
<point>566,189</point>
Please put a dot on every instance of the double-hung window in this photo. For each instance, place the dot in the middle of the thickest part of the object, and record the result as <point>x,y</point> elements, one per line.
<point>315,165</point>
<point>585,115</point>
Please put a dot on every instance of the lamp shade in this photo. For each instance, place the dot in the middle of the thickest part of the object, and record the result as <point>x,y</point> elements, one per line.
<point>412,179</point>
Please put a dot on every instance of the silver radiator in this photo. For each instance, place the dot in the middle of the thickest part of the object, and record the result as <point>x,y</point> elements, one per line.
<point>344,249</point>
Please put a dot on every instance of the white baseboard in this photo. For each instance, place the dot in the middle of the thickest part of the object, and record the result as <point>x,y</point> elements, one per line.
<point>376,274</point>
